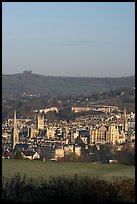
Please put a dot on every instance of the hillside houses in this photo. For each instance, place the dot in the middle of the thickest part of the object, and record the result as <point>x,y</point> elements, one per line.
<point>38,139</point>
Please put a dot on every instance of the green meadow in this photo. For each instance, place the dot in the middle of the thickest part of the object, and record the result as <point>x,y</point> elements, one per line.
<point>48,169</point>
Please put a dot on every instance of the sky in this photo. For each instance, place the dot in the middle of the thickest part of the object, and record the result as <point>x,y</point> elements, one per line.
<point>92,39</point>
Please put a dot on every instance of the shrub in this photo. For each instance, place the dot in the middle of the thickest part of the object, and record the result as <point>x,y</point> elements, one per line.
<point>23,189</point>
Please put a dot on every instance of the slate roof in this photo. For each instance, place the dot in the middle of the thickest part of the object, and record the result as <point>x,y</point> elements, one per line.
<point>28,153</point>
<point>21,146</point>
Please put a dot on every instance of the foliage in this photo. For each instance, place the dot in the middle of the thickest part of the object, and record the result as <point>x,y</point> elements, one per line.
<point>23,189</point>
<point>71,157</point>
<point>66,114</point>
<point>129,100</point>
<point>103,154</point>
<point>18,155</point>
<point>126,157</point>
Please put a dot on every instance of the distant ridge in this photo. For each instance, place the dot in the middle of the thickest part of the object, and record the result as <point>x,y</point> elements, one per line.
<point>29,83</point>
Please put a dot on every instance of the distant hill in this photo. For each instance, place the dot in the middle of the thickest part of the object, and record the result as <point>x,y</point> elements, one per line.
<point>29,83</point>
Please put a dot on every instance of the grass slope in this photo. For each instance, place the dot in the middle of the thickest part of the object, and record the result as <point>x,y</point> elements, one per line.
<point>39,84</point>
<point>49,169</point>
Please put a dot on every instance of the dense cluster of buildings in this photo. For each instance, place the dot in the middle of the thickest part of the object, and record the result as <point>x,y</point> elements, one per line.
<point>38,138</point>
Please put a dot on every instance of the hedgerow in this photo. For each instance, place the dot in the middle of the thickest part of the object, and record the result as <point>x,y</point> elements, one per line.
<point>22,189</point>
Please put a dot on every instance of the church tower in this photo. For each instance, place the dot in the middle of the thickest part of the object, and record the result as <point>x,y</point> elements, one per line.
<point>125,121</point>
<point>40,121</point>
<point>15,132</point>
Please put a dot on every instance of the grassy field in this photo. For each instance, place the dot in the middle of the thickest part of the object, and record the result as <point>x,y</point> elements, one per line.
<point>49,169</point>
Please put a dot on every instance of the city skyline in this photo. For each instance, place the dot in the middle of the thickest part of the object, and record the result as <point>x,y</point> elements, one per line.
<point>69,39</point>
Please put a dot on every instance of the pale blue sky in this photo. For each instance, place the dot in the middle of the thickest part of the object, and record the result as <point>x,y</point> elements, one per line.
<point>69,39</point>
